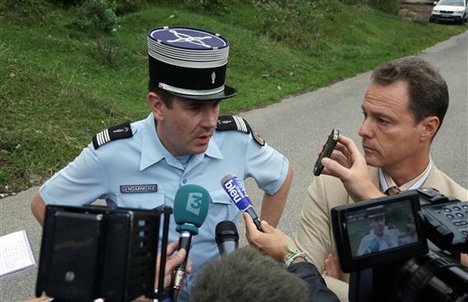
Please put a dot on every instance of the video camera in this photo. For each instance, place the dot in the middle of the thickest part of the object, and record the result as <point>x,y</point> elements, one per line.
<point>97,252</point>
<point>404,247</point>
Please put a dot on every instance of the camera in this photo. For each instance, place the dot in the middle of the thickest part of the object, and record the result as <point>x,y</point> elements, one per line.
<point>404,247</point>
<point>97,252</point>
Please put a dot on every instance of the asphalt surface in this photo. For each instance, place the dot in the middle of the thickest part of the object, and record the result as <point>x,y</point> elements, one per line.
<point>297,127</point>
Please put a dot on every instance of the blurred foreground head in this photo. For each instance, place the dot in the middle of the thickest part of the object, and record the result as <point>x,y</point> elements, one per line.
<point>247,275</point>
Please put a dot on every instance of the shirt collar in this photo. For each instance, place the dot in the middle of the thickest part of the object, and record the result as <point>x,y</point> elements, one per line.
<point>213,149</point>
<point>152,150</point>
<point>386,181</point>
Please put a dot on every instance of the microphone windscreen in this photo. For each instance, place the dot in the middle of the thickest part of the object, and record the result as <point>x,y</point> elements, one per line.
<point>191,204</point>
<point>226,230</point>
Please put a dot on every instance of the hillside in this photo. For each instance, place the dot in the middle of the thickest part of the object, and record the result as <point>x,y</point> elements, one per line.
<point>65,78</point>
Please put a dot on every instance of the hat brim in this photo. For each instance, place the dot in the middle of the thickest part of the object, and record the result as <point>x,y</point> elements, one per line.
<point>227,93</point>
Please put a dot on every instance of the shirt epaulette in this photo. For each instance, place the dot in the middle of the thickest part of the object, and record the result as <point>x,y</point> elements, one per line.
<point>112,134</point>
<point>232,122</point>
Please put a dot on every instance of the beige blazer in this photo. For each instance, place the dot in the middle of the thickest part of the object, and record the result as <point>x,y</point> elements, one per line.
<point>314,235</point>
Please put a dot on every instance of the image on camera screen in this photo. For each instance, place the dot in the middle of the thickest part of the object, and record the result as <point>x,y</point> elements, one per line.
<point>379,228</point>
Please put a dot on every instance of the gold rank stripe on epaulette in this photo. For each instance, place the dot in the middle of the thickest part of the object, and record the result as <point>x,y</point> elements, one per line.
<point>231,122</point>
<point>112,134</point>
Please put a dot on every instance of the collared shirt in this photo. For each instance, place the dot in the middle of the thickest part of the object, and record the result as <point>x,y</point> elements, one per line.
<point>386,181</point>
<point>372,243</point>
<point>138,172</point>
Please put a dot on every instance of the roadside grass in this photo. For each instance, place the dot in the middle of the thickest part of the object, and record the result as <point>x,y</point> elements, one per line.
<point>59,86</point>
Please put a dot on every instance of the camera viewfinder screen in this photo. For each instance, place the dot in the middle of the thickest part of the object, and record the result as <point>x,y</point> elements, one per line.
<point>381,228</point>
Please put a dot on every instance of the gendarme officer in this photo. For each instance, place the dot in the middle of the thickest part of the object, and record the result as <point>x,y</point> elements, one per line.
<point>380,237</point>
<point>182,141</point>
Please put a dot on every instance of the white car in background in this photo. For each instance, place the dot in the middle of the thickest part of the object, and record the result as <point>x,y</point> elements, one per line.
<point>450,10</point>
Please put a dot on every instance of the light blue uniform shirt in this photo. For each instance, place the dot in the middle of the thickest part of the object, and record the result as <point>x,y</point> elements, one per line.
<point>108,172</point>
<point>372,243</point>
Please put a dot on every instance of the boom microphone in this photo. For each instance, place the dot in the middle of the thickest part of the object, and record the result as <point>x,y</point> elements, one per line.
<point>236,191</point>
<point>190,210</point>
<point>227,237</point>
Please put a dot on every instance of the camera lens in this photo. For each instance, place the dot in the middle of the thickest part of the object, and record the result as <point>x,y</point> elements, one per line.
<point>432,277</point>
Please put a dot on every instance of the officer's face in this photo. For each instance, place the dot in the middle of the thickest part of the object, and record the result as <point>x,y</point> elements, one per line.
<point>186,126</point>
<point>378,225</point>
<point>391,139</point>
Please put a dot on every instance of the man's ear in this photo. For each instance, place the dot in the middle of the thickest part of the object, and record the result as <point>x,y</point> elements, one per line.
<point>430,125</point>
<point>156,105</point>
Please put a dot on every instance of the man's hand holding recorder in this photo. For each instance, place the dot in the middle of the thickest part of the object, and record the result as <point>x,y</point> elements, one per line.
<point>347,163</point>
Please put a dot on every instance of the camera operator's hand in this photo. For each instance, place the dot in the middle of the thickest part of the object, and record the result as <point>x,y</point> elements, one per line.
<point>464,259</point>
<point>332,267</point>
<point>349,165</point>
<point>172,262</point>
<point>271,241</point>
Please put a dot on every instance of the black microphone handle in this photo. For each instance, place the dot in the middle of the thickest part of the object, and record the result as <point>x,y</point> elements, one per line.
<point>227,246</point>
<point>255,218</point>
<point>185,241</point>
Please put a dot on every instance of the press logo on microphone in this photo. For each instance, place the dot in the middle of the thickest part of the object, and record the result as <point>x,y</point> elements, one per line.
<point>194,201</point>
<point>233,190</point>
<point>236,192</point>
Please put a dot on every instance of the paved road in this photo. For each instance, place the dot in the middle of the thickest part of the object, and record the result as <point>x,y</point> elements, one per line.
<point>297,127</point>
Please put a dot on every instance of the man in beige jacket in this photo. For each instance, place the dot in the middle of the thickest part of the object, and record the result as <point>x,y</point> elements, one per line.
<point>403,108</point>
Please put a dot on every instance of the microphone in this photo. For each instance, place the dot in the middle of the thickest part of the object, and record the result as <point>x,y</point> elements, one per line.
<point>235,189</point>
<point>227,237</point>
<point>190,210</point>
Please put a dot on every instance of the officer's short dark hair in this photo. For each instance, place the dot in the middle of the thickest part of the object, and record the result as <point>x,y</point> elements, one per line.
<point>166,96</point>
<point>247,275</point>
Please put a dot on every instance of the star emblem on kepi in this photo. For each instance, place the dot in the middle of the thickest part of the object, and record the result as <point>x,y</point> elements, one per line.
<point>189,39</point>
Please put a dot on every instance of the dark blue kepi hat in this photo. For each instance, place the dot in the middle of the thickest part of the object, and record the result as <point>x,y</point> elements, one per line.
<point>189,63</point>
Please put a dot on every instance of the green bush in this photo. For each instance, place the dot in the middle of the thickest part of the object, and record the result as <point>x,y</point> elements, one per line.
<point>95,17</point>
<point>121,6</point>
<point>294,22</point>
<point>107,53</point>
<point>126,6</point>
<point>389,6</point>
<point>24,12</point>
<point>210,7</point>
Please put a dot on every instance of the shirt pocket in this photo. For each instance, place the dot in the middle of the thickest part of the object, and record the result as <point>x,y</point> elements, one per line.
<point>220,208</point>
<point>220,200</point>
<point>141,200</point>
